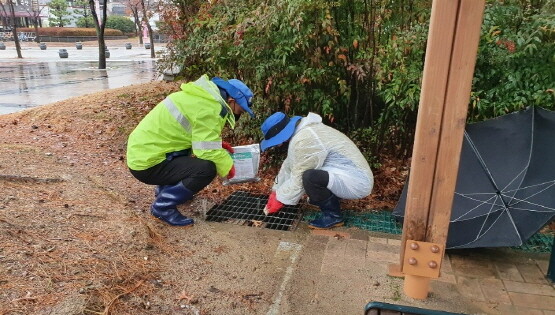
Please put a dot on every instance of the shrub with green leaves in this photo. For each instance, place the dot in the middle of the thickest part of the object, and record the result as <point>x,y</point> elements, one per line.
<point>300,56</point>
<point>121,23</point>
<point>85,22</point>
<point>516,63</point>
<point>358,63</point>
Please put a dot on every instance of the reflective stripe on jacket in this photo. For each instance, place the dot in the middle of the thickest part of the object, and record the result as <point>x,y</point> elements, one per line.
<point>190,118</point>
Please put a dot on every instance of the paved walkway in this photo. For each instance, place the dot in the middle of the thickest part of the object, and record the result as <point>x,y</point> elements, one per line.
<point>349,267</point>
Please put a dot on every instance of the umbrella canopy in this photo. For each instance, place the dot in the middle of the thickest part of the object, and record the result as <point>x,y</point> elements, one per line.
<point>505,190</point>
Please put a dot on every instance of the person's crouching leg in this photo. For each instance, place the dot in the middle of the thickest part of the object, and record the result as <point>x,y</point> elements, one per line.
<point>331,214</point>
<point>315,183</point>
<point>165,204</point>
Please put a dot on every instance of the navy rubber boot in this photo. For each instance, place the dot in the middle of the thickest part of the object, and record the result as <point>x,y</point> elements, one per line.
<point>331,214</point>
<point>165,205</point>
<point>157,189</point>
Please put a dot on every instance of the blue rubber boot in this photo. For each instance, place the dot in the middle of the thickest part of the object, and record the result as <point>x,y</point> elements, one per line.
<point>165,205</point>
<point>157,189</point>
<point>331,214</point>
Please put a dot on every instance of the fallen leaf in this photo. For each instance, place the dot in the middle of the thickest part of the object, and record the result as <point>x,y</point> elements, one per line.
<point>184,296</point>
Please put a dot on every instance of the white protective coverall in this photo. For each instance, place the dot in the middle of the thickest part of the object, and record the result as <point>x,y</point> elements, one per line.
<point>317,146</point>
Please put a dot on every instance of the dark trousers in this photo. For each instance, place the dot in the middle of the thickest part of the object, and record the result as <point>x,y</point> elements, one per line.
<point>194,173</point>
<point>315,184</point>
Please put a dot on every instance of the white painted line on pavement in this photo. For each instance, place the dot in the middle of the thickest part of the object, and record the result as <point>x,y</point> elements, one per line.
<point>295,250</point>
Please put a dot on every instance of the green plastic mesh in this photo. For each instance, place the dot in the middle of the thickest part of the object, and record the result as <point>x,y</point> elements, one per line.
<point>376,221</point>
<point>538,243</point>
<point>384,221</point>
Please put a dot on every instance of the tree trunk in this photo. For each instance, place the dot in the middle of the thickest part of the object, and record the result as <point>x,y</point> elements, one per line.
<point>145,19</point>
<point>99,26</point>
<point>139,31</point>
<point>16,40</point>
<point>14,29</point>
<point>152,54</point>
<point>36,25</point>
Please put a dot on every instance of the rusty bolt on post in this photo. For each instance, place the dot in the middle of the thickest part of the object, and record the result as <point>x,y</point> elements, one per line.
<point>432,264</point>
<point>412,261</point>
<point>434,249</point>
<point>414,246</point>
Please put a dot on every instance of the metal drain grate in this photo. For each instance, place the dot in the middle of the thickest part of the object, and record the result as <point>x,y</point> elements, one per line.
<point>243,208</point>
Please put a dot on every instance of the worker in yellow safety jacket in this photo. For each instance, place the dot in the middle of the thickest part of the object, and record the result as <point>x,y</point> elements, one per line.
<point>178,145</point>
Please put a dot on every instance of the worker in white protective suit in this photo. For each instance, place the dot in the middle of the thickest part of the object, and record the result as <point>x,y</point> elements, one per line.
<point>321,162</point>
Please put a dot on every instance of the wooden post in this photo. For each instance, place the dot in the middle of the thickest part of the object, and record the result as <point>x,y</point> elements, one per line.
<point>461,72</point>
<point>428,124</point>
<point>448,70</point>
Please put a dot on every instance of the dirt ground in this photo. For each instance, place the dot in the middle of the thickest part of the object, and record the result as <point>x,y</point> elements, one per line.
<point>76,236</point>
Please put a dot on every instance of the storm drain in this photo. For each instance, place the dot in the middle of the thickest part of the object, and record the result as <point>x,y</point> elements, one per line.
<point>243,208</point>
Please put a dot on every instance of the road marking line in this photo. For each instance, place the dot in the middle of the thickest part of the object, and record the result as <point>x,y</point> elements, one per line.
<point>295,249</point>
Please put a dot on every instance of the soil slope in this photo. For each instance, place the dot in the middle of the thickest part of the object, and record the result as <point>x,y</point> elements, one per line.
<point>76,236</point>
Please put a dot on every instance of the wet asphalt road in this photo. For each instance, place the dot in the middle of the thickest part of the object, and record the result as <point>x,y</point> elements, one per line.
<point>42,77</point>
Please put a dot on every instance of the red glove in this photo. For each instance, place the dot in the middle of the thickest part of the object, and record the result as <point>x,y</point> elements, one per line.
<point>273,205</point>
<point>228,147</point>
<point>231,173</point>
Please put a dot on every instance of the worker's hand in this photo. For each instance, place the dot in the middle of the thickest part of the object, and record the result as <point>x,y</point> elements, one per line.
<point>273,205</point>
<point>228,147</point>
<point>231,173</point>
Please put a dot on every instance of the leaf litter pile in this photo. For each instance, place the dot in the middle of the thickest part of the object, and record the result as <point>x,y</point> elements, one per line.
<point>75,232</point>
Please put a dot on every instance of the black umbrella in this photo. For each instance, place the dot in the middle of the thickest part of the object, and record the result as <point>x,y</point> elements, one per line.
<point>505,189</point>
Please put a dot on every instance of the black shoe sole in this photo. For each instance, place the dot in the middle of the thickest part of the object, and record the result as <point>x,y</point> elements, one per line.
<point>166,223</point>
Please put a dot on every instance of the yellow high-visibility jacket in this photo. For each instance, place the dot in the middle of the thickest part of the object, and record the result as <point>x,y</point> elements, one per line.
<point>192,118</point>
